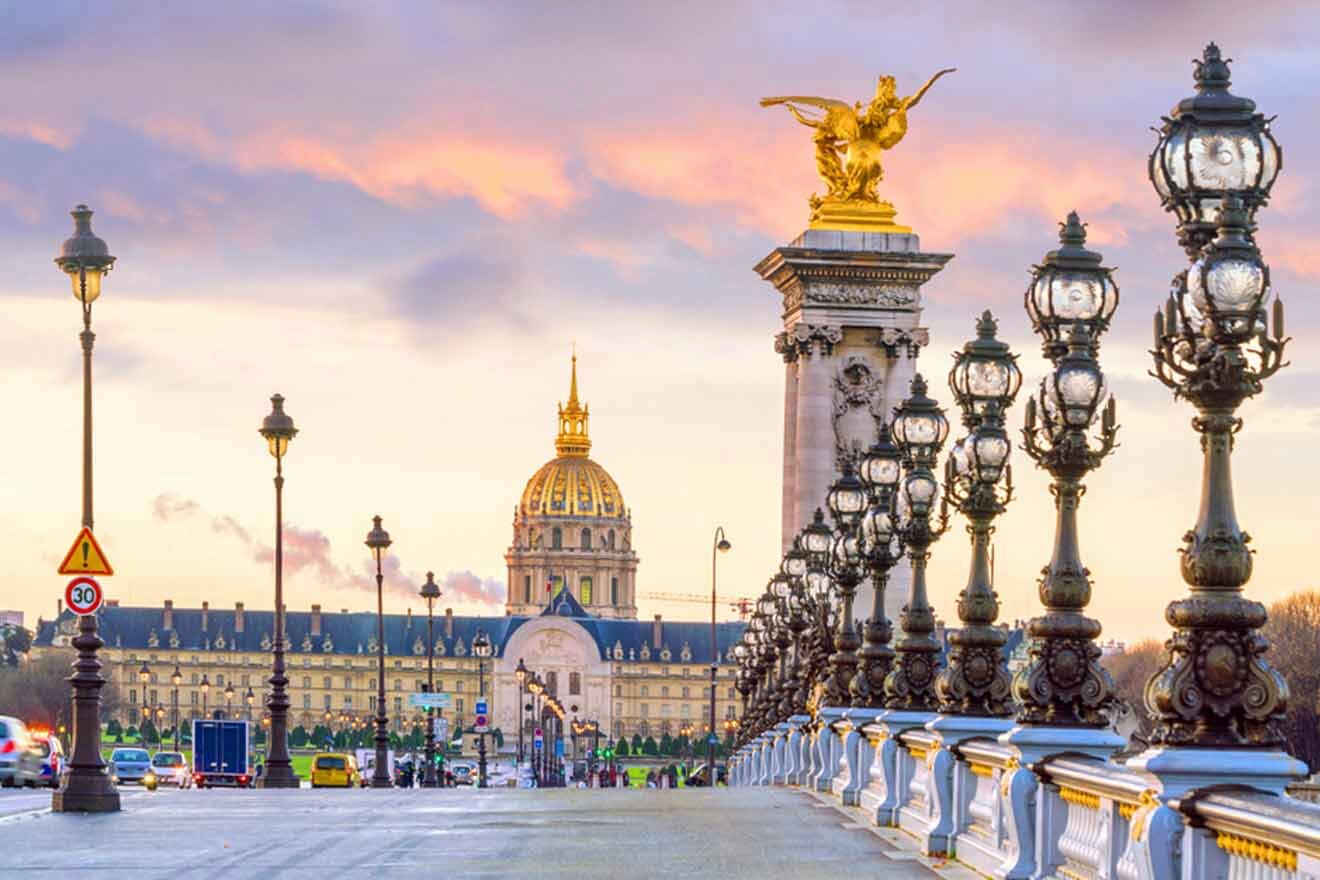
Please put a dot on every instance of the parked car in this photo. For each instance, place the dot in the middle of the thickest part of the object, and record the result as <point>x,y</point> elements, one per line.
<point>129,765</point>
<point>20,762</point>
<point>464,774</point>
<point>50,748</point>
<point>171,769</point>
<point>335,770</point>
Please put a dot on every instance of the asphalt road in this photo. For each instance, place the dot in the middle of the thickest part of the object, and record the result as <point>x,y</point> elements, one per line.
<point>578,834</point>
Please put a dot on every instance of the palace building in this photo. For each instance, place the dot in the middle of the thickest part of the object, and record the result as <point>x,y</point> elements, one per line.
<point>570,616</point>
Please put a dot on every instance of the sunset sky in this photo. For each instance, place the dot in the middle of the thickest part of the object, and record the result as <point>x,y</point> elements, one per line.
<point>402,215</point>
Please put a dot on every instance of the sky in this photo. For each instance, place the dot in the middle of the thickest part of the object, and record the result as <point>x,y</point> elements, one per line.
<point>402,216</point>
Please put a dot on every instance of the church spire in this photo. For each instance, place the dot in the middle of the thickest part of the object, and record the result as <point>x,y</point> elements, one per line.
<point>573,417</point>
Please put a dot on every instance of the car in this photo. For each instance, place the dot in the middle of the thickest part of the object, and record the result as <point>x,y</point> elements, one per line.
<point>50,748</point>
<point>335,770</point>
<point>171,768</point>
<point>20,761</point>
<point>464,774</point>
<point>129,765</point>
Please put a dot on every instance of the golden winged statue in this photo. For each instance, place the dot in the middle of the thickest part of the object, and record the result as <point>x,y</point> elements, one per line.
<point>850,141</point>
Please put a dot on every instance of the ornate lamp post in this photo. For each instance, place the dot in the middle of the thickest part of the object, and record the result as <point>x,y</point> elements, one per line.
<point>520,673</point>
<point>781,589</point>
<point>880,471</point>
<point>481,649</point>
<point>1212,146</point>
<point>535,688</point>
<point>719,545</point>
<point>176,679</point>
<point>919,429</point>
<point>1063,683</point>
<point>144,676</point>
<point>846,501</point>
<point>794,568</point>
<point>278,430</point>
<point>86,259</point>
<point>229,698</point>
<point>430,592</point>
<point>979,482</point>
<point>206,689</point>
<point>816,541</point>
<point>249,698</point>
<point>379,541</point>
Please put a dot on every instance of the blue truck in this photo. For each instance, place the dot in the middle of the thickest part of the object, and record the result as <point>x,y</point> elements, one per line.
<point>220,754</point>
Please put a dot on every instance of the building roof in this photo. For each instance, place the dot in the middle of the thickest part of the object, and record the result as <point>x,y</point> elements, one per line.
<point>405,634</point>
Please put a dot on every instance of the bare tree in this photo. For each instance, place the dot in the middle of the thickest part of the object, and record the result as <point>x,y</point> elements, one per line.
<point>1293,631</point>
<point>38,691</point>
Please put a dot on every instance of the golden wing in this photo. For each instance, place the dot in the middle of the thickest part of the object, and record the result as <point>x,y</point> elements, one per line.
<point>838,118</point>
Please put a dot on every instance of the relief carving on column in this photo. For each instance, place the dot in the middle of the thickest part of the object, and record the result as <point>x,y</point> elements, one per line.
<point>803,340</point>
<point>858,405</point>
<point>859,294</point>
<point>893,340</point>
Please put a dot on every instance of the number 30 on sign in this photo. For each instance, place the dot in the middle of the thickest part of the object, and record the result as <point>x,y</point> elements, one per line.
<point>83,596</point>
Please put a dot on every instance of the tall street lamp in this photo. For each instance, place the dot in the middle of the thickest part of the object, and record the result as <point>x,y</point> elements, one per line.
<point>520,673</point>
<point>846,501</point>
<point>144,676</point>
<point>176,679</point>
<point>1063,683</point>
<point>87,789</point>
<point>919,428</point>
<point>978,481</point>
<point>277,428</point>
<point>534,687</point>
<point>379,540</point>
<point>880,471</point>
<point>229,699</point>
<point>719,545</point>
<point>430,592</point>
<point>481,648</point>
<point>206,689</point>
<point>249,698</point>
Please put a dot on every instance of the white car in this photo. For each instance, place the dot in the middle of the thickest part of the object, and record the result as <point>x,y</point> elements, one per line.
<point>20,761</point>
<point>171,768</point>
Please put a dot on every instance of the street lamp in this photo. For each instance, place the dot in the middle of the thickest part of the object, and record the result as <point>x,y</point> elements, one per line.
<point>521,674</point>
<point>978,481</point>
<point>1215,687</point>
<point>278,430</point>
<point>229,698</point>
<point>249,698</point>
<point>1070,287</point>
<point>481,648</point>
<point>919,429</point>
<point>846,501</point>
<point>87,789</point>
<point>534,687</point>
<point>1212,146</point>
<point>176,679</point>
<point>144,676</point>
<point>379,540</point>
<point>430,592</point>
<point>720,544</point>
<point>206,689</point>
<point>880,470</point>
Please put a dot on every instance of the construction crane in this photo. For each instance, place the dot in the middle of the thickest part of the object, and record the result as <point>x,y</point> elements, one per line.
<point>742,606</point>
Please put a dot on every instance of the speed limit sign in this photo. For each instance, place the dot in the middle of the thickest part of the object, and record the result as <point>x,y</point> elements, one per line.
<point>83,595</point>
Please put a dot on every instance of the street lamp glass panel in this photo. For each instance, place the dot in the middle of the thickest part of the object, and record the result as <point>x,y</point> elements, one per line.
<point>1070,296</point>
<point>1076,392</point>
<point>991,451</point>
<point>817,541</point>
<point>846,498</point>
<point>918,428</point>
<point>794,564</point>
<point>91,278</point>
<point>818,582</point>
<point>958,457</point>
<point>845,551</point>
<point>780,586</point>
<point>877,529</point>
<point>919,491</point>
<point>1227,285</point>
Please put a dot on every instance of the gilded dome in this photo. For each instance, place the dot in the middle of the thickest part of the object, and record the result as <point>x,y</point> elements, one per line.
<point>571,484</point>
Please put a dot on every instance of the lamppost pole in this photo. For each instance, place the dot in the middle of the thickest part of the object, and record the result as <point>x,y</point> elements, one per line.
<point>481,647</point>
<point>846,501</point>
<point>277,428</point>
<point>206,689</point>
<point>880,471</point>
<point>176,678</point>
<point>719,545</point>
<point>430,592</point>
<point>378,540</point>
<point>144,676</point>
<point>85,259</point>
<point>520,673</point>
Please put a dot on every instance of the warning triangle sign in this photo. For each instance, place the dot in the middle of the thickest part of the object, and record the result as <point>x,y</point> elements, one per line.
<point>85,556</point>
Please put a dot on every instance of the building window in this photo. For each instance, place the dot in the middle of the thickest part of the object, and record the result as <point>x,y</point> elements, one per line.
<point>527,588</point>
<point>664,709</point>
<point>371,702</point>
<point>552,683</point>
<point>398,664</point>
<point>459,687</point>
<point>618,690</point>
<point>307,701</point>
<point>247,680</point>
<point>687,710</point>
<point>686,690</point>
<point>557,538</point>
<point>132,699</point>
<point>194,678</point>
<point>371,684</point>
<point>731,694</point>
<point>664,690</point>
<point>348,701</point>
<point>611,539</point>
<point>614,591</point>
<point>618,730</point>
<point>618,710</point>
<point>643,729</point>
<point>398,706</point>
<point>705,693</point>
<point>348,682</point>
<point>327,703</point>
<point>219,679</point>
<point>327,683</point>
<point>646,692</point>
<point>193,695</point>
<point>646,710</point>
<point>574,684</point>
<point>584,590</point>
<point>307,681</point>
<point>460,708</point>
<point>398,684</point>
<point>586,539</point>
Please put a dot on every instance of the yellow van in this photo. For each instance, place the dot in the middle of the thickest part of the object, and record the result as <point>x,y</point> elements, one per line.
<point>334,770</point>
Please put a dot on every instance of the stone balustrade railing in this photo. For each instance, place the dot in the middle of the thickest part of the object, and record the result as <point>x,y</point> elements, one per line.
<point>1065,816</point>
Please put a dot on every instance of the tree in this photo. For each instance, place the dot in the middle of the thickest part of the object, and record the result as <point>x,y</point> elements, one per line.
<point>259,737</point>
<point>15,643</point>
<point>667,745</point>
<point>114,729</point>
<point>1131,670</point>
<point>637,744</point>
<point>1295,651</point>
<point>320,733</point>
<point>650,747</point>
<point>298,737</point>
<point>621,748</point>
<point>37,691</point>
<point>149,732</point>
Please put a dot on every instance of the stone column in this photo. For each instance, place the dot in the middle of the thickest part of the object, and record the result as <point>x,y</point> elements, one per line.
<point>851,311</point>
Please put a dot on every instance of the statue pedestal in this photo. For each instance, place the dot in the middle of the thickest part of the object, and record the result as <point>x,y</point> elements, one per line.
<point>852,312</point>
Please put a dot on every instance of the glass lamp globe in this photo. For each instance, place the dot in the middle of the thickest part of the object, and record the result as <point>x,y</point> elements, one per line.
<point>1070,287</point>
<point>780,586</point>
<point>1230,281</point>
<point>816,538</point>
<point>984,372</point>
<point>988,452</point>
<point>794,563</point>
<point>818,583</point>
<point>847,499</point>
<point>845,553</point>
<point>1212,146</point>
<point>879,467</point>
<point>919,493</point>
<point>919,425</point>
